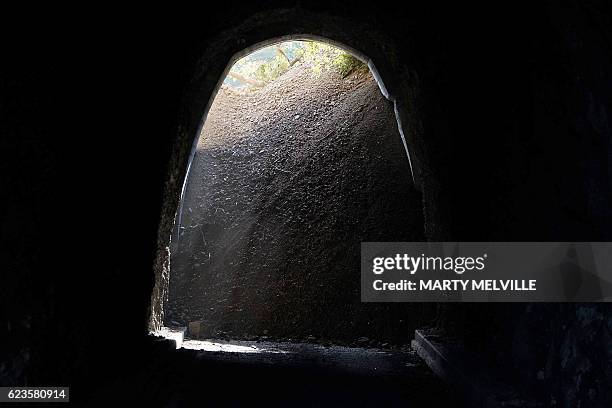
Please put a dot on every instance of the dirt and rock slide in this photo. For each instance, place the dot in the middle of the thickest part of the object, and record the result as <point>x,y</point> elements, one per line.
<point>286,183</point>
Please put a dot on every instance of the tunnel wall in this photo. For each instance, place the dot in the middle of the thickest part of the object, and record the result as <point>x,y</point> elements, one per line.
<point>507,117</point>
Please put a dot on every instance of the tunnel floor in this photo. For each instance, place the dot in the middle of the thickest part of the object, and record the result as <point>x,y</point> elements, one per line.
<point>285,374</point>
<point>357,360</point>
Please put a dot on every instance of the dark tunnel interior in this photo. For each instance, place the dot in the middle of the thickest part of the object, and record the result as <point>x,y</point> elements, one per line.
<point>505,111</point>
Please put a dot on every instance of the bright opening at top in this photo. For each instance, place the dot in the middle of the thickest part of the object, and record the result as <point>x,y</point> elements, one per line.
<point>265,65</point>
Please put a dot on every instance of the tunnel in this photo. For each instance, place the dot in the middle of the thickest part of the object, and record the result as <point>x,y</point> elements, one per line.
<point>501,115</point>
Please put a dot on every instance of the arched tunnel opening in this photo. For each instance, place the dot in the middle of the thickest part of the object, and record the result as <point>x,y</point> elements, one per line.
<point>299,156</point>
<point>299,160</point>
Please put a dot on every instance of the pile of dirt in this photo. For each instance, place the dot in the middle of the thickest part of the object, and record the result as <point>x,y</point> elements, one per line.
<point>286,183</point>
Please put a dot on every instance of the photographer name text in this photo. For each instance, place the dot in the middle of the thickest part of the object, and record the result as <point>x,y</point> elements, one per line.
<point>459,265</point>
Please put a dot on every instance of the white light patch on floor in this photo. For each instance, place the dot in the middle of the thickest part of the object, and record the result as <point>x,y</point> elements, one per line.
<point>349,359</point>
<point>206,345</point>
<point>176,334</point>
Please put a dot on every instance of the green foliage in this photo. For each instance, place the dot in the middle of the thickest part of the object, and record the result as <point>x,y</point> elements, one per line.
<point>274,63</point>
<point>265,70</point>
<point>246,67</point>
<point>272,69</point>
<point>346,64</point>
<point>323,56</point>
